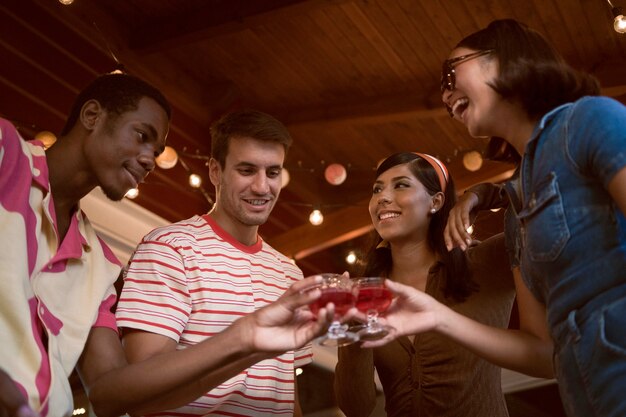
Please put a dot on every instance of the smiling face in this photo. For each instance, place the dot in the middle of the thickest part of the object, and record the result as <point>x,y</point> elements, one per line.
<point>400,205</point>
<point>121,150</point>
<point>472,101</point>
<point>248,186</point>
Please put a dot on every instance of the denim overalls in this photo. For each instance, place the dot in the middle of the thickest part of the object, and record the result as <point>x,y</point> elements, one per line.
<point>573,255</point>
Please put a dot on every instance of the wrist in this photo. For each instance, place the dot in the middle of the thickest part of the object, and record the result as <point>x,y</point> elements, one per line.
<point>243,329</point>
<point>472,196</point>
<point>245,333</point>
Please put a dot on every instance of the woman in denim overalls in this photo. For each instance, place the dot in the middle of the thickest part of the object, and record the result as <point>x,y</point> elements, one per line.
<point>569,201</point>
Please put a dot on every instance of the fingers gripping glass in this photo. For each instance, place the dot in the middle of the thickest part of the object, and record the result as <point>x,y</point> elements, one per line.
<point>448,76</point>
<point>339,290</point>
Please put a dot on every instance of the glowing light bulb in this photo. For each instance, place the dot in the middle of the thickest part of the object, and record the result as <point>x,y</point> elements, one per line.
<point>316,217</point>
<point>335,174</point>
<point>47,138</point>
<point>167,159</point>
<point>66,2</point>
<point>195,181</point>
<point>619,23</point>
<point>351,258</point>
<point>132,193</point>
<point>472,161</point>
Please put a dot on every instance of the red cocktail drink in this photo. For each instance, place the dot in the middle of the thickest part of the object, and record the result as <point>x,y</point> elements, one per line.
<point>373,298</point>
<point>342,299</point>
<point>339,290</point>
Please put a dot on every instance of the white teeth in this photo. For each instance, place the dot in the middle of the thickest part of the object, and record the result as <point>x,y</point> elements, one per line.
<point>384,216</point>
<point>256,202</point>
<point>460,102</point>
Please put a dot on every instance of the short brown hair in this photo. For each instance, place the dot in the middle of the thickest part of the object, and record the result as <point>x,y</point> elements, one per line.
<point>246,123</point>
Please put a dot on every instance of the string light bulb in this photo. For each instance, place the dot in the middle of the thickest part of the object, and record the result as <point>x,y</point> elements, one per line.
<point>316,217</point>
<point>47,138</point>
<point>168,158</point>
<point>195,181</point>
<point>335,174</point>
<point>619,21</point>
<point>351,258</point>
<point>132,193</point>
<point>66,2</point>
<point>472,161</point>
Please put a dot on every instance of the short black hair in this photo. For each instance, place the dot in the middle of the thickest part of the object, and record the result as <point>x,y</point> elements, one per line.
<point>117,93</point>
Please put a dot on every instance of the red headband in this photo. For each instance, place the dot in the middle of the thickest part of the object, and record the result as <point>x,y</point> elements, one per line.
<point>440,168</point>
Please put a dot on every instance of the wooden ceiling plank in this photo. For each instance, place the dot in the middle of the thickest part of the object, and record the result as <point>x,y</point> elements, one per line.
<point>17,102</point>
<point>410,44</point>
<point>343,57</point>
<point>383,45</point>
<point>211,23</point>
<point>376,110</point>
<point>374,68</point>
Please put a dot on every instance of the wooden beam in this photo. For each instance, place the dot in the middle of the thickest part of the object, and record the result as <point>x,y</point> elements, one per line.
<point>210,22</point>
<point>378,110</point>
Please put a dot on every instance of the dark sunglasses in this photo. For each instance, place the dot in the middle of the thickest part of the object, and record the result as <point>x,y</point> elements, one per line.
<point>448,76</point>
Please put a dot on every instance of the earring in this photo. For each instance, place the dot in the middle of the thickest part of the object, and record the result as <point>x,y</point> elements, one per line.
<point>432,210</point>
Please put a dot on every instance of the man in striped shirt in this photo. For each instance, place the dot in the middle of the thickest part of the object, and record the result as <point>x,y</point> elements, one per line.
<point>189,281</point>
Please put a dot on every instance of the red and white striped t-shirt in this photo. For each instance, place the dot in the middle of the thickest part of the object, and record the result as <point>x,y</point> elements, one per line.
<point>191,280</point>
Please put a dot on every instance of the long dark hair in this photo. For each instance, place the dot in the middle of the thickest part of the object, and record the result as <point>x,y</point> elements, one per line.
<point>531,71</point>
<point>458,284</point>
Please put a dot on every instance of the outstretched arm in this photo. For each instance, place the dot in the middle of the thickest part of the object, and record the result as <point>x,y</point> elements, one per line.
<point>162,377</point>
<point>528,350</point>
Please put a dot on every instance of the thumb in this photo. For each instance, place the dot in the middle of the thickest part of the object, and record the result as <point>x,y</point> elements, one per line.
<point>25,411</point>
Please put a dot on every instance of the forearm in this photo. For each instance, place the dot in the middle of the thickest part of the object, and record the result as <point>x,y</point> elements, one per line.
<point>513,349</point>
<point>187,392</point>
<point>355,389</point>
<point>488,196</point>
<point>171,379</point>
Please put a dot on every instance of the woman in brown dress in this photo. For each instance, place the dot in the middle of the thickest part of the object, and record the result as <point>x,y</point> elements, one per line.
<point>427,374</point>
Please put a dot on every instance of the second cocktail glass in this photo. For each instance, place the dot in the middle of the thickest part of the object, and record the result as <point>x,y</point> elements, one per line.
<point>373,298</point>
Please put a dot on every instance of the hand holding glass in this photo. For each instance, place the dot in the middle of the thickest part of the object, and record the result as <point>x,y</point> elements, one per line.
<point>339,290</point>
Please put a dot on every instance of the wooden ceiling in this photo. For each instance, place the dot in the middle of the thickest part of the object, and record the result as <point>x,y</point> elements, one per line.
<point>354,81</point>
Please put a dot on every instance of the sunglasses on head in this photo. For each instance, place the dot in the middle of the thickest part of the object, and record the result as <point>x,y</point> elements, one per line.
<point>448,76</point>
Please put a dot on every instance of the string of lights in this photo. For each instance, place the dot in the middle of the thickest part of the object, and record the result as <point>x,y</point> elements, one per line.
<point>334,173</point>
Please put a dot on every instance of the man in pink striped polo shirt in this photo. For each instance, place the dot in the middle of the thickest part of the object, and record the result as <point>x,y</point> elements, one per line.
<point>189,281</point>
<point>57,275</point>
